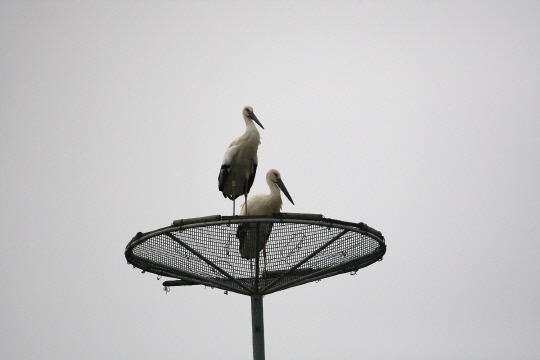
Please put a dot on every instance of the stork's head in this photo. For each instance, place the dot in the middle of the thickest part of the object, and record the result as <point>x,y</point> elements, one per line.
<point>273,176</point>
<point>248,113</point>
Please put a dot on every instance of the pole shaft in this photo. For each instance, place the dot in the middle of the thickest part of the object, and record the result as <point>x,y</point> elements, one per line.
<point>257,325</point>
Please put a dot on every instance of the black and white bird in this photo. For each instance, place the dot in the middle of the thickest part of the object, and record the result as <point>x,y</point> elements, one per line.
<point>261,204</point>
<point>239,165</point>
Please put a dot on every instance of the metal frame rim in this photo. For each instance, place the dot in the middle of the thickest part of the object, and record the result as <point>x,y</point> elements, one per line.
<point>224,220</point>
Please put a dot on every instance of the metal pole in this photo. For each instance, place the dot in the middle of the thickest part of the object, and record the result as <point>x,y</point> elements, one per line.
<point>257,325</point>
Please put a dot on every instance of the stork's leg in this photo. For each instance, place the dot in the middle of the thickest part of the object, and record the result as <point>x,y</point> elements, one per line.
<point>233,192</point>
<point>245,197</point>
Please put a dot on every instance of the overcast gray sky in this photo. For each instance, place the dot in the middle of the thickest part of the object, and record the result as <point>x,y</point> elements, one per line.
<point>418,118</point>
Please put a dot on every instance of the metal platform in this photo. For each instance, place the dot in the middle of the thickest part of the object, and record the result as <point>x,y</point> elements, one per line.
<point>255,255</point>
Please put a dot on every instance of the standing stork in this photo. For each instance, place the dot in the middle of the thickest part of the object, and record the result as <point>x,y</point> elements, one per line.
<point>240,161</point>
<point>261,204</point>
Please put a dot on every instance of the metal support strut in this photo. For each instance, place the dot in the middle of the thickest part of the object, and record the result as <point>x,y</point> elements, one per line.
<point>257,324</point>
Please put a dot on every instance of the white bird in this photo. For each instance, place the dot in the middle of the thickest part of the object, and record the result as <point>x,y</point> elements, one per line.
<point>261,204</point>
<point>240,161</point>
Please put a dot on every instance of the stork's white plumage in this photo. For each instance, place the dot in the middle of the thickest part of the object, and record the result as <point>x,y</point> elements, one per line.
<point>268,204</point>
<point>240,161</point>
<point>261,204</point>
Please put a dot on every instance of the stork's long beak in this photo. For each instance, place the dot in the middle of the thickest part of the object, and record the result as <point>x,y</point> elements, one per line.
<point>254,118</point>
<point>284,189</point>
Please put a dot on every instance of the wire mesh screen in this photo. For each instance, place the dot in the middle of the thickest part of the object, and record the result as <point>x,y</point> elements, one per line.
<point>255,254</point>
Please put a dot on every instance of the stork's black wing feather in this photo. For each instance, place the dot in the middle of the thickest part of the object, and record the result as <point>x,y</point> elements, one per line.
<point>222,178</point>
<point>241,235</point>
<point>252,175</point>
<point>247,236</point>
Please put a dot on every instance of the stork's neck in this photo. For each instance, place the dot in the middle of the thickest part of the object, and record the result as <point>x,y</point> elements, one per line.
<point>274,189</point>
<point>273,200</point>
<point>250,124</point>
<point>251,130</point>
